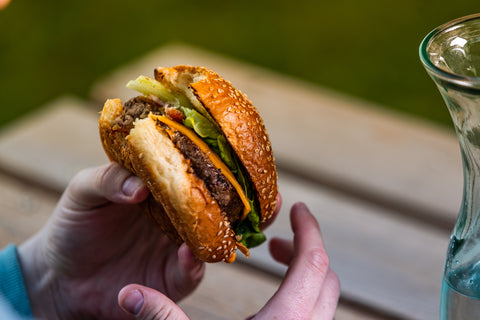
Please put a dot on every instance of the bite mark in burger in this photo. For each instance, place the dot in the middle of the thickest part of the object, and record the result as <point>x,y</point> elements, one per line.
<point>204,153</point>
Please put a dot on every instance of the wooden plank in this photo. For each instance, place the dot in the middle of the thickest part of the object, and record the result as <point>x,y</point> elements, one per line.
<point>234,299</point>
<point>385,261</point>
<point>51,145</point>
<point>409,165</point>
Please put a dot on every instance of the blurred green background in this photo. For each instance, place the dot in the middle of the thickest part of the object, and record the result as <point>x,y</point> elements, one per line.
<point>367,49</point>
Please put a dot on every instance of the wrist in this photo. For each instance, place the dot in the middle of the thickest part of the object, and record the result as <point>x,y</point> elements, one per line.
<point>39,279</point>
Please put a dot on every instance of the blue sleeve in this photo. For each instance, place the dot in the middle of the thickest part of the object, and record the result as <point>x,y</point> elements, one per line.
<point>12,285</point>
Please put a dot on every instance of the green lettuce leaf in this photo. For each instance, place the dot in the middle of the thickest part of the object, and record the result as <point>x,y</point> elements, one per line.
<point>251,235</point>
<point>148,86</point>
<point>201,125</point>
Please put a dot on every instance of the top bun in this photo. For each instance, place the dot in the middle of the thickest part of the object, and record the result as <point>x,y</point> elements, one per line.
<point>238,119</point>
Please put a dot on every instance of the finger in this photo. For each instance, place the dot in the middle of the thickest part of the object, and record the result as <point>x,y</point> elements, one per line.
<point>275,213</point>
<point>148,304</point>
<point>281,250</point>
<point>188,272</point>
<point>301,287</point>
<point>328,298</point>
<point>95,187</point>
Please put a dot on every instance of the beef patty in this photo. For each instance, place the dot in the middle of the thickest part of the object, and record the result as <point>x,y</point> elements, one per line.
<point>220,188</point>
<point>137,108</point>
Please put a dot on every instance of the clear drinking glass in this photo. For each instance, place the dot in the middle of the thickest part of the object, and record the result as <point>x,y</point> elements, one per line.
<point>451,56</point>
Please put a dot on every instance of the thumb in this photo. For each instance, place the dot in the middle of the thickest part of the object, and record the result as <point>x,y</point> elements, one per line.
<point>94,187</point>
<point>148,304</point>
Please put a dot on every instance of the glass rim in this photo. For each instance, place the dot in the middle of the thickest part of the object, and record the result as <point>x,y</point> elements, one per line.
<point>462,80</point>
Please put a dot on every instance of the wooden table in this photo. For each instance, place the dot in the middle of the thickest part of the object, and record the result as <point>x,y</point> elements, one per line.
<point>385,188</point>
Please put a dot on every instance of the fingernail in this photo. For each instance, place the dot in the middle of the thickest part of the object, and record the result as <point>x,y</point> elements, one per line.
<point>131,185</point>
<point>133,302</point>
<point>301,206</point>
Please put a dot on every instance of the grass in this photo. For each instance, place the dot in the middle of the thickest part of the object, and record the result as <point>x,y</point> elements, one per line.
<point>367,49</point>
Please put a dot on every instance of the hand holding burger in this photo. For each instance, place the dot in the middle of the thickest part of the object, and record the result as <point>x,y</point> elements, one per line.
<point>203,151</point>
<point>98,239</point>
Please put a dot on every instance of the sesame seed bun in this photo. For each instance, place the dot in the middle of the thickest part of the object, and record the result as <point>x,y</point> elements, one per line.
<point>183,205</point>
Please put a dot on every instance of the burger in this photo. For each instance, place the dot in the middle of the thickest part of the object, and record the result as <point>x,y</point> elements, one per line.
<point>203,151</point>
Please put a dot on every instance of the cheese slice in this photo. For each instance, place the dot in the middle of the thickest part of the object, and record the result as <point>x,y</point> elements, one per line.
<point>216,160</point>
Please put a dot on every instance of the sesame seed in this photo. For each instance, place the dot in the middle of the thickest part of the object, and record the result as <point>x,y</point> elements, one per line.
<point>219,232</point>
<point>214,257</point>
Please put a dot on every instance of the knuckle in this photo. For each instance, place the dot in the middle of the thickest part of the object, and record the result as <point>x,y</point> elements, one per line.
<point>317,260</point>
<point>103,175</point>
